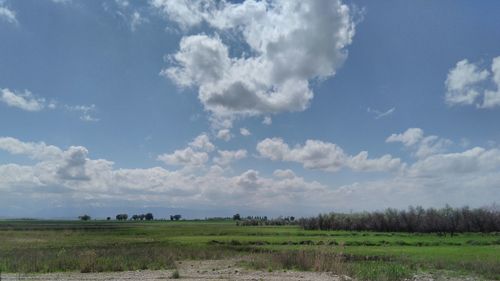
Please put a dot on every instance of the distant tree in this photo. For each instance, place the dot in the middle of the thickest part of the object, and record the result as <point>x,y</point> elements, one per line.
<point>149,216</point>
<point>292,218</point>
<point>108,218</point>
<point>171,217</point>
<point>122,217</point>
<point>135,217</point>
<point>176,217</point>
<point>237,217</point>
<point>84,217</point>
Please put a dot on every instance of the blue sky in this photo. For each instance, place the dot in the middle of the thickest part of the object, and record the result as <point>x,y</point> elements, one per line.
<point>110,106</point>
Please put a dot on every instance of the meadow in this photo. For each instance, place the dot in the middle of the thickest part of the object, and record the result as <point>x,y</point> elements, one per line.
<point>95,246</point>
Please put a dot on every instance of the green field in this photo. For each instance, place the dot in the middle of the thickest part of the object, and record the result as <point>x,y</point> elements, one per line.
<point>47,246</point>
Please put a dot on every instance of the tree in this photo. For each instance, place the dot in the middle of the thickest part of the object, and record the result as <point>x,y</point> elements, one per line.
<point>108,218</point>
<point>149,216</point>
<point>237,217</point>
<point>84,217</point>
<point>122,217</point>
<point>175,217</point>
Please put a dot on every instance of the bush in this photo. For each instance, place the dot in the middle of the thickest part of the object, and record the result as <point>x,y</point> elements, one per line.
<point>175,274</point>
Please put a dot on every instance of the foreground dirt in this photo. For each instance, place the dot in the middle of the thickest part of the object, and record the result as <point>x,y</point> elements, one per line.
<point>201,270</point>
<point>188,270</point>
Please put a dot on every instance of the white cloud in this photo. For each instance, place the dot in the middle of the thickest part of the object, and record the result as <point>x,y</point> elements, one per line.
<point>290,42</point>
<point>62,1</point>
<point>431,145</point>
<point>462,83</point>
<point>64,175</point>
<point>122,3</point>
<point>54,163</point>
<point>224,134</point>
<point>39,151</point>
<point>85,110</point>
<point>424,146</point>
<point>136,19</point>
<point>408,138</point>
<point>73,164</point>
<point>245,132</point>
<point>195,155</point>
<point>7,14</point>
<point>72,174</point>
<point>466,85</point>
<point>492,98</point>
<point>202,142</point>
<point>25,101</point>
<point>131,15</point>
<point>185,157</point>
<point>473,160</point>
<point>286,174</point>
<point>380,114</point>
<point>226,157</point>
<point>29,102</point>
<point>267,120</point>
<point>315,154</point>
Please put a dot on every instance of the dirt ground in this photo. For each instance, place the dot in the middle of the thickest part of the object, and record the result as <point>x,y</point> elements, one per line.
<point>200,270</point>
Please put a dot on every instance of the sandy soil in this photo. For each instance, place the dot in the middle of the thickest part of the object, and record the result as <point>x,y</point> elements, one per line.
<point>188,270</point>
<point>201,270</point>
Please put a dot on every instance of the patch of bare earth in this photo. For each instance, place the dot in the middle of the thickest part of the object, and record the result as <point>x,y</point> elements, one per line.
<point>202,270</point>
<point>188,270</point>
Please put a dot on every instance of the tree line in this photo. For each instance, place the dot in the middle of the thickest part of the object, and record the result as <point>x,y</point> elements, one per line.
<point>263,220</point>
<point>414,219</point>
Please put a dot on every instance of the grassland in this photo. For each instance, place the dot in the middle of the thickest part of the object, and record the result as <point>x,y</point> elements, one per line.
<point>49,246</point>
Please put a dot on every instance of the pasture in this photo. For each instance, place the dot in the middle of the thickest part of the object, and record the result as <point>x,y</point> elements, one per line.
<point>95,246</point>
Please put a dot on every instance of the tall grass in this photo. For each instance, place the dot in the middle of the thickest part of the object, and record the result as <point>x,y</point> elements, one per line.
<point>124,257</point>
<point>328,261</point>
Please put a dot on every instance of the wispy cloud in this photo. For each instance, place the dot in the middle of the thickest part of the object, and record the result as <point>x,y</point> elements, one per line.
<point>29,102</point>
<point>7,14</point>
<point>381,114</point>
<point>24,100</point>
<point>86,111</point>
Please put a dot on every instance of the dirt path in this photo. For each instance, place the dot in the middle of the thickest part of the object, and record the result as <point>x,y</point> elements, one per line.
<point>188,270</point>
<point>203,270</point>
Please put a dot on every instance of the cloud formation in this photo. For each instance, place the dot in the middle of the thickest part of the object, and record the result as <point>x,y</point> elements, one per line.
<point>7,14</point>
<point>422,145</point>
<point>289,43</point>
<point>319,155</point>
<point>29,102</point>
<point>245,132</point>
<point>466,85</point>
<point>25,101</point>
<point>202,142</point>
<point>58,175</point>
<point>226,157</point>
<point>381,114</point>
<point>492,97</point>
<point>224,134</point>
<point>72,173</point>
<point>195,155</point>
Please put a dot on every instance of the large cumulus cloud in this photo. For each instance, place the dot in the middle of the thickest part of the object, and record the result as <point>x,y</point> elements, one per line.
<point>289,44</point>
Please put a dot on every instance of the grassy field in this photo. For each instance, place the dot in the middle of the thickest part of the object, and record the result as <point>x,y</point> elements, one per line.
<point>48,246</point>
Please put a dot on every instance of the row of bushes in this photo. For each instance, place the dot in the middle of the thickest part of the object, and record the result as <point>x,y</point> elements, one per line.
<point>444,220</point>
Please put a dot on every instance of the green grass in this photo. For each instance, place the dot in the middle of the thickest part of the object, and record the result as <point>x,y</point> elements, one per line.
<point>47,246</point>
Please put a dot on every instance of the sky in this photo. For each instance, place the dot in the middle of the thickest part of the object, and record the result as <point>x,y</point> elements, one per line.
<point>216,107</point>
